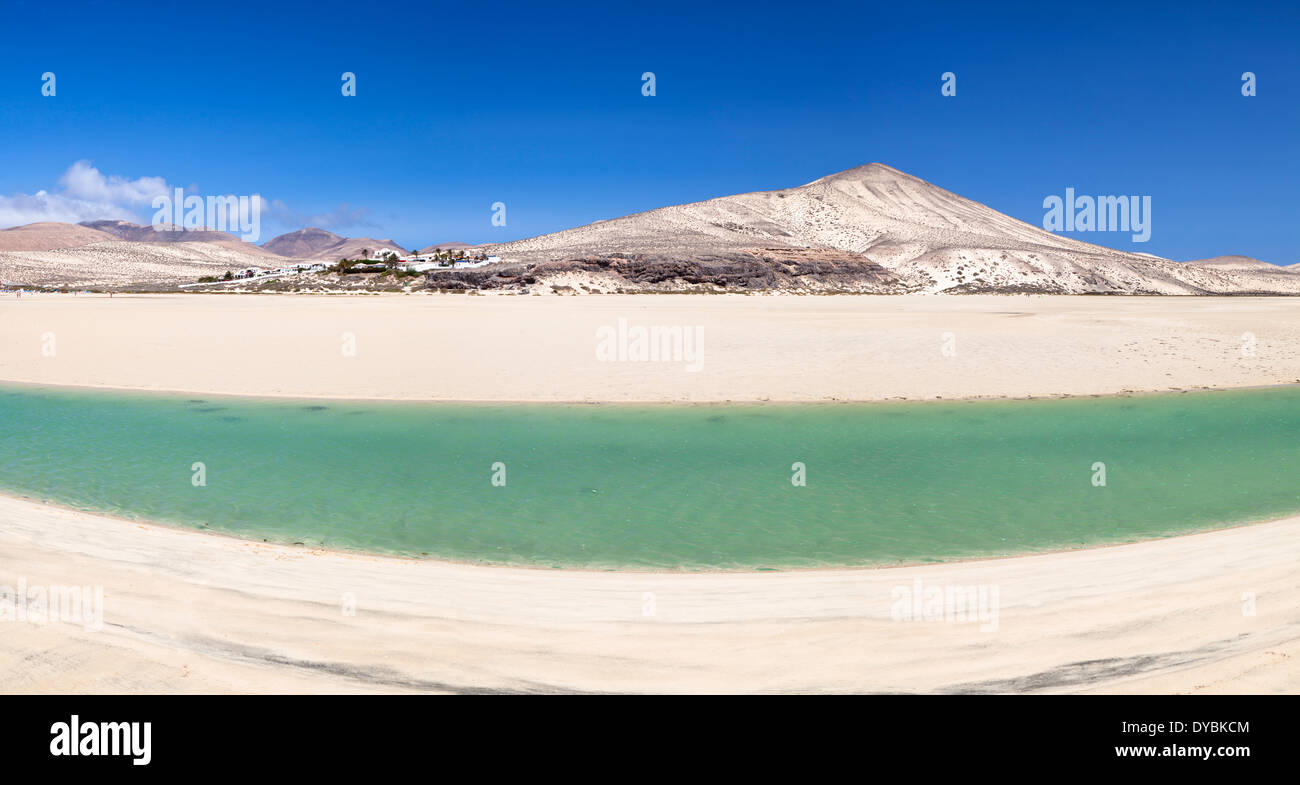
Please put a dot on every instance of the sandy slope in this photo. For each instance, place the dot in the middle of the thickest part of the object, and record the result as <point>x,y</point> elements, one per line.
<point>1235,262</point>
<point>754,348</point>
<point>49,235</point>
<point>123,262</point>
<point>191,612</point>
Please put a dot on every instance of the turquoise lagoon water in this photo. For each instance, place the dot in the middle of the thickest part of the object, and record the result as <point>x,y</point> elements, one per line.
<point>664,487</point>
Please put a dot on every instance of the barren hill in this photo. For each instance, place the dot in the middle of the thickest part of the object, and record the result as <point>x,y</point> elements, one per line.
<point>302,243</point>
<point>136,233</point>
<point>166,233</point>
<point>49,235</point>
<point>1235,262</point>
<point>322,245</point>
<point>123,262</point>
<point>353,248</point>
<point>923,238</point>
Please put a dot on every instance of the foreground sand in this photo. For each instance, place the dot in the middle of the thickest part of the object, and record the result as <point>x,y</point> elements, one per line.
<point>191,612</point>
<point>754,348</point>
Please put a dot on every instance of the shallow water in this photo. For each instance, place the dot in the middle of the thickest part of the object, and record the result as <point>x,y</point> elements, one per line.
<point>676,487</point>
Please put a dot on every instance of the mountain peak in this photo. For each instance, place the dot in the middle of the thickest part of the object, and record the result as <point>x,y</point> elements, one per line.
<point>315,243</point>
<point>874,172</point>
<point>313,231</point>
<point>302,243</point>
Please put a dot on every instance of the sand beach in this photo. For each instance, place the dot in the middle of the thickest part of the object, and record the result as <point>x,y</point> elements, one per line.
<point>191,612</point>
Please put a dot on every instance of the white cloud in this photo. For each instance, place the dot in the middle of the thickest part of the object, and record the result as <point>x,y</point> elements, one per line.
<point>86,195</point>
<point>83,181</point>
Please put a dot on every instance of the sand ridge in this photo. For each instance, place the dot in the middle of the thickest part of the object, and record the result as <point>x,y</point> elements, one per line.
<point>513,348</point>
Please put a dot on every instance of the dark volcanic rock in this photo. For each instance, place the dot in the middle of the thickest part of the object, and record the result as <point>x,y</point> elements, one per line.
<point>755,270</point>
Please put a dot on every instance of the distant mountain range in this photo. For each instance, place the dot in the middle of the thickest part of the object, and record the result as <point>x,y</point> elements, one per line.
<point>119,253</point>
<point>868,229</point>
<point>316,244</point>
<point>136,233</point>
<point>320,245</point>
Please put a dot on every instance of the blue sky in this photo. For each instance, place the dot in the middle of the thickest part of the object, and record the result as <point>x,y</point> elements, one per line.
<point>539,106</point>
